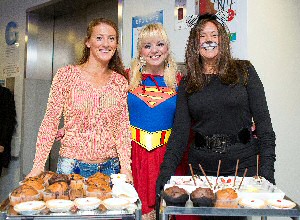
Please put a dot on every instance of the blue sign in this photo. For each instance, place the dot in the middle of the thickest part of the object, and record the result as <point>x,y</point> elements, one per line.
<point>11,33</point>
<point>139,21</point>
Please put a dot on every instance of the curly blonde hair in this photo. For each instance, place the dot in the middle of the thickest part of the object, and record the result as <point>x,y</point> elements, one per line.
<point>170,69</point>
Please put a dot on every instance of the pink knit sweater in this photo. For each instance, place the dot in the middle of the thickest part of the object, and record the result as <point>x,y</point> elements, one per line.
<point>96,121</point>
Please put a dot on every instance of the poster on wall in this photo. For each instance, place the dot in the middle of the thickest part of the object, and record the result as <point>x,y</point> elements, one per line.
<point>11,53</point>
<point>180,14</point>
<point>233,13</point>
<point>139,21</point>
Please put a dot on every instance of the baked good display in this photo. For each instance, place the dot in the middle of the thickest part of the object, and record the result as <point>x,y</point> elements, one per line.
<point>252,203</point>
<point>58,190</point>
<point>281,203</point>
<point>59,178</point>
<point>102,192</point>
<point>175,196</point>
<point>23,193</point>
<point>202,197</point>
<point>226,198</point>
<point>36,182</point>
<point>76,181</point>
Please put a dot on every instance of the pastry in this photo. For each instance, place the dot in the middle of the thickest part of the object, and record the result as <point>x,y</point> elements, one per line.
<point>102,192</point>
<point>281,203</point>
<point>59,178</point>
<point>35,182</point>
<point>23,193</point>
<point>226,198</point>
<point>58,190</point>
<point>252,203</point>
<point>202,197</point>
<point>175,196</point>
<point>76,181</point>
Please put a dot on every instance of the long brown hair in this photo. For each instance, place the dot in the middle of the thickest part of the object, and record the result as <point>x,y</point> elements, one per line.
<point>227,67</point>
<point>115,63</point>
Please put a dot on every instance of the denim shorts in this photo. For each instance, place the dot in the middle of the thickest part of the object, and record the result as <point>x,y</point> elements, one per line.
<point>68,166</point>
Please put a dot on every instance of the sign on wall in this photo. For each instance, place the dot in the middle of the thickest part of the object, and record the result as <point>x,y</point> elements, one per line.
<point>234,14</point>
<point>139,21</point>
<point>11,53</point>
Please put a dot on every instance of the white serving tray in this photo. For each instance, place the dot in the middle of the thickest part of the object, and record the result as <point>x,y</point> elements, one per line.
<point>248,189</point>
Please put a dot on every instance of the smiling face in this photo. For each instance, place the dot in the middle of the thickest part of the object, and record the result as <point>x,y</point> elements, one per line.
<point>209,42</point>
<point>154,50</point>
<point>102,43</point>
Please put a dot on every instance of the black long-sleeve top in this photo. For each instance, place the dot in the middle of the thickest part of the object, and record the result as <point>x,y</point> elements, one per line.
<point>223,109</point>
<point>7,124</point>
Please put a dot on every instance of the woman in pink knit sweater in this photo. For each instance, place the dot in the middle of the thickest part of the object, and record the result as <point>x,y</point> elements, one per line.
<point>92,97</point>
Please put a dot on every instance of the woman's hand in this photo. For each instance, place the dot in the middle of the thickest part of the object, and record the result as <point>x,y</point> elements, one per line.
<point>60,134</point>
<point>33,173</point>
<point>128,174</point>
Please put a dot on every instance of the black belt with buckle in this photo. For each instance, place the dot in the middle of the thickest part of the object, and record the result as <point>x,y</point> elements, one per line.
<point>220,142</point>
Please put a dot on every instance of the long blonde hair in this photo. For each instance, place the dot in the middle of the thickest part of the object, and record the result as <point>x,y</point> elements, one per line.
<point>170,69</point>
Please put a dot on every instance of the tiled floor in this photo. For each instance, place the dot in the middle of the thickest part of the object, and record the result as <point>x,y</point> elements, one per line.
<point>9,178</point>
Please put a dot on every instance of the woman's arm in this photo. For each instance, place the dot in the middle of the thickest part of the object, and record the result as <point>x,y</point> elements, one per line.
<point>264,129</point>
<point>49,126</point>
<point>178,139</point>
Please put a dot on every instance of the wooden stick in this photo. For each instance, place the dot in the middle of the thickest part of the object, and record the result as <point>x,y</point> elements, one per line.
<point>205,176</point>
<point>236,170</point>
<point>192,172</point>
<point>257,162</point>
<point>218,172</point>
<point>243,177</point>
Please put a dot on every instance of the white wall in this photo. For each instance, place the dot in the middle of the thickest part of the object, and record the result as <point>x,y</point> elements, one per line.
<point>273,44</point>
<point>16,11</point>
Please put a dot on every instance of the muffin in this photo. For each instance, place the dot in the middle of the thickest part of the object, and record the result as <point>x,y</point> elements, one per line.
<point>102,192</point>
<point>23,193</point>
<point>175,196</point>
<point>45,176</point>
<point>76,181</point>
<point>203,197</point>
<point>59,178</point>
<point>98,179</point>
<point>35,182</point>
<point>58,190</point>
<point>76,193</point>
<point>227,198</point>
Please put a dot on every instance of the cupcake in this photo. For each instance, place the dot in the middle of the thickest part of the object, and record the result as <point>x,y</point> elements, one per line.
<point>227,198</point>
<point>59,178</point>
<point>102,192</point>
<point>76,181</point>
<point>175,196</point>
<point>58,190</point>
<point>203,197</point>
<point>23,193</point>
<point>35,182</point>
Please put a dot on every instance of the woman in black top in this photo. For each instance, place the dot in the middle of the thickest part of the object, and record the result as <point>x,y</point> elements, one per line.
<point>219,99</point>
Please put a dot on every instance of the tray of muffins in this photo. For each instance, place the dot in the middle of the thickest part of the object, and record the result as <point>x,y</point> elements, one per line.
<point>52,194</point>
<point>224,192</point>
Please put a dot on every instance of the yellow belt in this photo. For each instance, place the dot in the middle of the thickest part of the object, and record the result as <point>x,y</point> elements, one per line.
<point>150,140</point>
